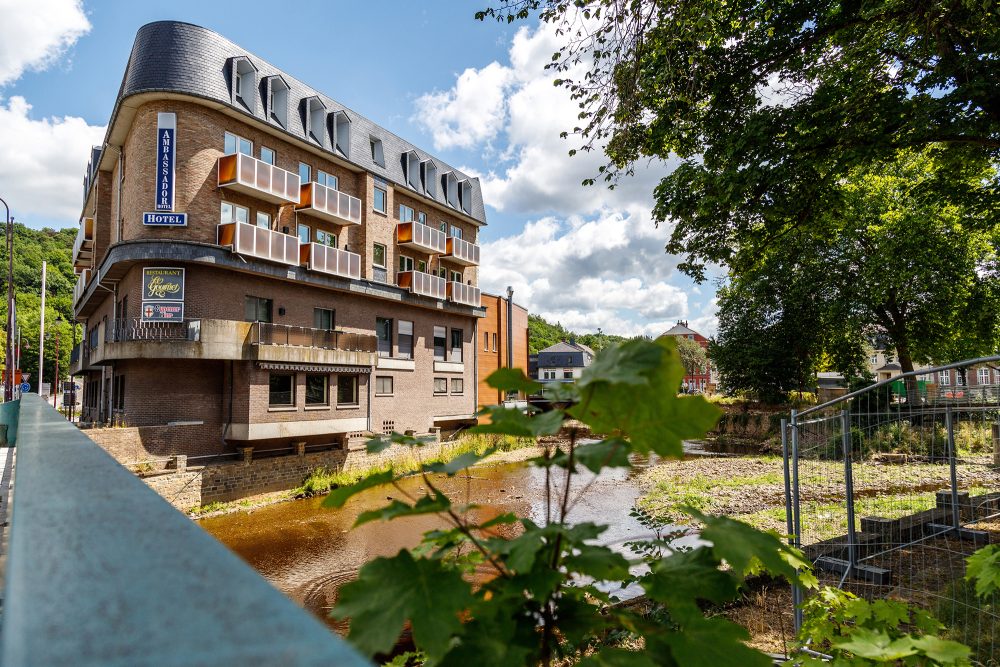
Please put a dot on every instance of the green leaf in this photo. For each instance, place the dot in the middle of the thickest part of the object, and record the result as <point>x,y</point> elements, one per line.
<point>610,453</point>
<point>943,651</point>
<point>713,641</point>
<point>688,576</point>
<point>500,519</point>
<point>601,563</point>
<point>511,421</point>
<point>513,379</point>
<point>338,497</point>
<point>628,363</point>
<point>984,569</point>
<point>876,645</point>
<point>390,591</point>
<point>460,462</point>
<point>617,657</point>
<point>425,505</point>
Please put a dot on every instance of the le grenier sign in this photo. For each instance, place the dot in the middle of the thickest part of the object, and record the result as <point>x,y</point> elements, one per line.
<point>162,294</point>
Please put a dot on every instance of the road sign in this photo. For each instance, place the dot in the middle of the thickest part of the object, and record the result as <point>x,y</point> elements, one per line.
<point>25,387</point>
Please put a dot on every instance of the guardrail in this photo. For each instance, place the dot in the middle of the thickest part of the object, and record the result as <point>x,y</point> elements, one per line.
<point>132,329</point>
<point>268,333</point>
<point>144,583</point>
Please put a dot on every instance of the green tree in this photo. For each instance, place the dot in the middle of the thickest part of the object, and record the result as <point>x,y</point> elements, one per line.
<point>693,356</point>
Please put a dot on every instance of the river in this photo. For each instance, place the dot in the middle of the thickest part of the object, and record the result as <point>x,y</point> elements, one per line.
<point>308,552</point>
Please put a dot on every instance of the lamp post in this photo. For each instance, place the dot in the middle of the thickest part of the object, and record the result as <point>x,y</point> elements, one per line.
<point>510,335</point>
<point>8,386</point>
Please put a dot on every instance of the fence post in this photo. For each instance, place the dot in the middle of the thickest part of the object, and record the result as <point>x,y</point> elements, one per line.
<point>956,515</point>
<point>796,517</point>
<point>789,522</point>
<point>848,445</point>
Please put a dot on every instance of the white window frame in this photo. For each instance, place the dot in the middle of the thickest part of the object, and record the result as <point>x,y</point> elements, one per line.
<point>983,376</point>
<point>274,155</point>
<point>263,217</point>
<point>407,261</point>
<point>405,213</point>
<point>944,378</point>
<point>323,237</point>
<point>308,230</point>
<point>239,142</point>
<point>455,232</point>
<point>233,217</point>
<point>324,178</point>
<point>378,380</point>
<point>385,256</point>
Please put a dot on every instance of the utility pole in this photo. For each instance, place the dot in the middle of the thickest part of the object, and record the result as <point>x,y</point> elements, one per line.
<point>41,334</point>
<point>8,379</point>
<point>510,334</point>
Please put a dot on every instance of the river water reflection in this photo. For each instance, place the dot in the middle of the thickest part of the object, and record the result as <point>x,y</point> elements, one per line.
<point>308,552</point>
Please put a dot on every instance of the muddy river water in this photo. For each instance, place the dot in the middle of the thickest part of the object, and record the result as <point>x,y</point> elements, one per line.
<point>308,552</point>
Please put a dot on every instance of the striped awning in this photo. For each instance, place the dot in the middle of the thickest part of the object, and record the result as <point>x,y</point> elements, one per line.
<point>314,368</point>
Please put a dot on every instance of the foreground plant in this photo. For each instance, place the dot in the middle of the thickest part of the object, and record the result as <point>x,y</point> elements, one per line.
<point>546,592</point>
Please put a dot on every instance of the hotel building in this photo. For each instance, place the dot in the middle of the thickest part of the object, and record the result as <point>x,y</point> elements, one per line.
<point>260,265</point>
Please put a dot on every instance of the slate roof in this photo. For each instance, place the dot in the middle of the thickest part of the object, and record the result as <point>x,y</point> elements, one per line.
<point>568,347</point>
<point>679,330</point>
<point>177,57</point>
<point>891,366</point>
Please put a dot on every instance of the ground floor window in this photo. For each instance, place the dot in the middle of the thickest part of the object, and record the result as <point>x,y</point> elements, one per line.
<point>257,309</point>
<point>457,385</point>
<point>383,385</point>
<point>567,375</point>
<point>548,374</point>
<point>119,395</point>
<point>456,346</point>
<point>347,389</point>
<point>317,389</point>
<point>323,318</point>
<point>440,385</point>
<point>281,390</point>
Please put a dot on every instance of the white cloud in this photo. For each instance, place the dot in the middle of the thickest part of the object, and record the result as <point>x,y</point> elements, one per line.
<point>472,112</point>
<point>43,162</point>
<point>37,33</point>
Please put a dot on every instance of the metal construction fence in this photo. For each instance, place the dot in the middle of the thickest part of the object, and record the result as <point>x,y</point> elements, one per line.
<point>889,489</point>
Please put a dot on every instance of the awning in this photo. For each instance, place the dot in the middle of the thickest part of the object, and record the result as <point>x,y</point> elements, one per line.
<point>314,368</point>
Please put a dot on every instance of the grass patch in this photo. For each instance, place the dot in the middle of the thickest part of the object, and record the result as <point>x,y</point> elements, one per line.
<point>970,619</point>
<point>323,480</point>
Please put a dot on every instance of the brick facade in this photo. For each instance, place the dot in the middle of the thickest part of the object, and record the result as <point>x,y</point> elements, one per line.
<point>491,344</point>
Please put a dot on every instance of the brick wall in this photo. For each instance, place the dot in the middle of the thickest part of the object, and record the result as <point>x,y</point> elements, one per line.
<point>143,443</point>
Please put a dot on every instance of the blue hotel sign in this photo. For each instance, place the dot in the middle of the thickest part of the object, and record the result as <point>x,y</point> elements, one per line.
<point>165,219</point>
<point>166,154</point>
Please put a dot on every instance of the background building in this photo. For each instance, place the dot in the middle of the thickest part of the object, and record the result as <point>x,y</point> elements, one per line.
<point>703,381</point>
<point>563,362</point>
<point>500,345</point>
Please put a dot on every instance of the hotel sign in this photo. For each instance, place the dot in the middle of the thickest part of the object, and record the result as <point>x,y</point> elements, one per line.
<point>166,154</point>
<point>165,219</point>
<point>162,294</point>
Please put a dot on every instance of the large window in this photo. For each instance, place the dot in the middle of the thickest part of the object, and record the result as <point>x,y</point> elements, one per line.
<point>567,374</point>
<point>233,144</point>
<point>323,319</point>
<point>317,389</point>
<point>329,180</point>
<point>455,232</point>
<point>233,213</point>
<point>266,155</point>
<point>404,342</point>
<point>405,213</point>
<point>456,277</point>
<point>983,376</point>
<point>383,385</point>
<point>281,390</point>
<point>347,390</point>
<point>305,173</point>
<point>304,235</point>
<point>457,386</point>
<point>944,377</point>
<point>258,309</point>
<point>405,263</point>
<point>440,385</point>
<point>378,255</point>
<point>383,330</point>
<point>326,238</point>
<point>380,199</point>
<point>456,346</point>
<point>440,343</point>
<point>263,220</point>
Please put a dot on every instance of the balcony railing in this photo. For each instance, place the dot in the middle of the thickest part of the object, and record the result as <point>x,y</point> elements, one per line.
<point>467,295</point>
<point>423,238</point>
<point>268,333</point>
<point>259,242</point>
<point>133,329</point>
<point>461,251</point>
<point>336,262</point>
<point>254,177</point>
<point>83,246</point>
<point>422,283</point>
<point>329,204</point>
<point>81,284</point>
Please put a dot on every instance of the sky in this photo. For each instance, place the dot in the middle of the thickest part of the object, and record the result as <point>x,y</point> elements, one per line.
<point>473,93</point>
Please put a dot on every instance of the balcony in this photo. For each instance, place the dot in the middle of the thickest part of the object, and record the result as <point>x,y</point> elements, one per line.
<point>81,285</point>
<point>467,295</point>
<point>421,237</point>
<point>462,252</point>
<point>83,246</point>
<point>422,283</point>
<point>267,244</point>
<point>280,343</point>
<point>253,177</point>
<point>337,207</point>
<point>334,261</point>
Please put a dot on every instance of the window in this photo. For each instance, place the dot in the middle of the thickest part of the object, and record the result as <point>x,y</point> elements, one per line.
<point>422,218</point>
<point>383,385</point>
<point>378,156</point>
<point>329,180</point>
<point>440,385</point>
<point>263,220</point>
<point>379,203</point>
<point>455,232</point>
<point>305,173</point>
<point>494,342</point>
<point>422,266</point>
<point>443,227</point>
<point>234,213</point>
<point>567,374</point>
<point>342,133</point>
<point>257,309</point>
<point>959,379</point>
<point>326,238</point>
<point>277,101</point>
<point>405,213</point>
<point>465,196</point>
<point>443,273</point>
<point>383,331</point>
<point>323,319</point>
<point>347,389</point>
<point>281,390</point>
<point>457,385</point>
<point>486,341</point>
<point>233,143</point>
<point>456,346</point>
<point>440,343</point>
<point>119,395</point>
<point>303,231</point>
<point>405,263</point>
<point>317,389</point>
<point>404,341</point>
<point>983,376</point>
<point>456,277</point>
<point>944,377</point>
<point>548,374</point>
<point>266,155</point>
<point>378,255</point>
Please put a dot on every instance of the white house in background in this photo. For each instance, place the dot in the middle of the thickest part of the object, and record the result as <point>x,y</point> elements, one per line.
<point>564,361</point>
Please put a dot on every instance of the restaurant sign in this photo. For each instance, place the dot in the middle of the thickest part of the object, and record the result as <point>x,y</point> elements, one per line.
<point>162,294</point>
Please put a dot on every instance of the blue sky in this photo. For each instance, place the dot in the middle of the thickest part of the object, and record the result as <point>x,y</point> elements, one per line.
<point>474,93</point>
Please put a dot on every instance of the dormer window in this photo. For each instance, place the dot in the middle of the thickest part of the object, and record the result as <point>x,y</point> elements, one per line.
<point>315,119</point>
<point>450,183</point>
<point>378,156</point>
<point>411,169</point>
<point>341,126</point>
<point>428,172</point>
<point>277,100</point>
<point>244,83</point>
<point>465,196</point>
